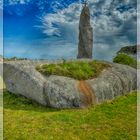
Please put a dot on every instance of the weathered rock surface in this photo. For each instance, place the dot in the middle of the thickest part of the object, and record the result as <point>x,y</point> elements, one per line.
<point>21,78</point>
<point>85,35</point>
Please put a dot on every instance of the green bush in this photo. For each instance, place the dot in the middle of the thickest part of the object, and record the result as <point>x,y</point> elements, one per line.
<point>80,70</point>
<point>128,50</point>
<point>125,59</point>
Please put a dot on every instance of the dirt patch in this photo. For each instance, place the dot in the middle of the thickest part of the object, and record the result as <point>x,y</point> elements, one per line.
<point>87,91</point>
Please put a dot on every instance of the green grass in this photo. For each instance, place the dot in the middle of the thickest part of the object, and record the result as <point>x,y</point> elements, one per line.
<point>138,64</point>
<point>112,120</point>
<point>1,114</point>
<point>80,70</point>
<point>1,83</point>
<point>126,60</point>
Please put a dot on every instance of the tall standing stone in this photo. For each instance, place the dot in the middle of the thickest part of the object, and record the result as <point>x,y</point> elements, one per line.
<point>85,34</point>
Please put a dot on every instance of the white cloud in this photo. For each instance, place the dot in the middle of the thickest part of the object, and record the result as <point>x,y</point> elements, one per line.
<point>13,2</point>
<point>113,21</point>
<point>1,4</point>
<point>35,49</point>
<point>114,24</point>
<point>53,24</point>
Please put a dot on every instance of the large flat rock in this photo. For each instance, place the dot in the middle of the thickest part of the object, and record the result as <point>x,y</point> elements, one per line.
<point>22,78</point>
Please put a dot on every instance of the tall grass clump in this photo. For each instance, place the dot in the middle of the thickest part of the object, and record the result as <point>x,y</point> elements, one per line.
<point>125,59</point>
<point>80,70</point>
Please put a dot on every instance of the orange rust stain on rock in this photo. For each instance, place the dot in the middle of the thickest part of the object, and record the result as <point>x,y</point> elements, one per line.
<point>89,96</point>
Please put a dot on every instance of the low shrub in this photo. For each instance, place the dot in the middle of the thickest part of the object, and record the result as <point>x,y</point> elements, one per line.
<point>126,60</point>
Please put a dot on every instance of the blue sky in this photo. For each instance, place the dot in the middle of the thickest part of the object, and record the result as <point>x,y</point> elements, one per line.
<point>49,28</point>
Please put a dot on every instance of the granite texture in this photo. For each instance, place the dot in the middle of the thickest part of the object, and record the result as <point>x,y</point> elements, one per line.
<point>22,78</point>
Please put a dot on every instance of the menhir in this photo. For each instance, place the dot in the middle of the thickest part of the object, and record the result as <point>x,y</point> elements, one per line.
<point>85,45</point>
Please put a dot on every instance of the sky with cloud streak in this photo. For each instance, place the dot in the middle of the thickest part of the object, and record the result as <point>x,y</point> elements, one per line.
<point>49,29</point>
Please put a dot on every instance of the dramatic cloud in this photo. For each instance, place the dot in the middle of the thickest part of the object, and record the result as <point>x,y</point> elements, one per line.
<point>113,21</point>
<point>14,2</point>
<point>114,24</point>
<point>1,4</point>
<point>14,7</point>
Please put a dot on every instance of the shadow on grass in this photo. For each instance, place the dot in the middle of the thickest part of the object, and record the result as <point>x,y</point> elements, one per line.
<point>14,102</point>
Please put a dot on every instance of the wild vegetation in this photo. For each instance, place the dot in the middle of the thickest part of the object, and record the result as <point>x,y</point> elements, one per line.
<point>1,83</point>
<point>112,120</point>
<point>80,70</point>
<point>128,50</point>
<point>126,60</point>
<point>14,59</point>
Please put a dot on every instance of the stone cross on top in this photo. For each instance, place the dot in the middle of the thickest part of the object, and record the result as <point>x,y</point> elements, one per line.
<point>85,45</point>
<point>85,2</point>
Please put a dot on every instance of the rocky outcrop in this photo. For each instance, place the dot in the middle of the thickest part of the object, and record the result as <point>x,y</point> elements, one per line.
<point>85,35</point>
<point>129,50</point>
<point>21,78</point>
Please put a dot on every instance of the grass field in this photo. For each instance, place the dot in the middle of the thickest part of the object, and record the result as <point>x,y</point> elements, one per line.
<point>1,83</point>
<point>1,107</point>
<point>26,120</point>
<point>1,114</point>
